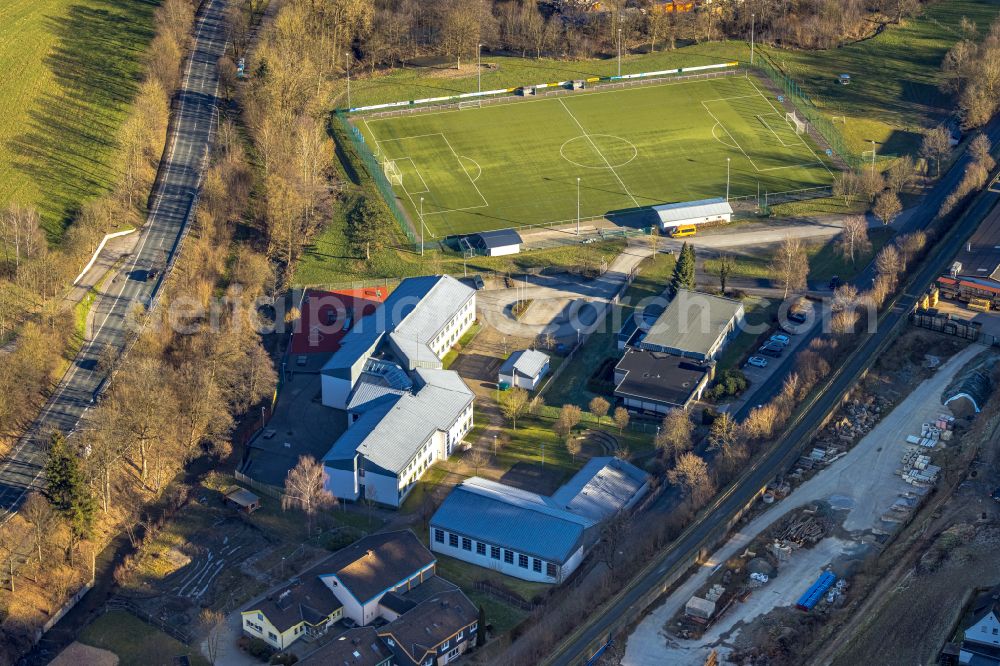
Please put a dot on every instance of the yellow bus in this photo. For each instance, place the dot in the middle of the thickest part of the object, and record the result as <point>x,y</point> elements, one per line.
<point>683,230</point>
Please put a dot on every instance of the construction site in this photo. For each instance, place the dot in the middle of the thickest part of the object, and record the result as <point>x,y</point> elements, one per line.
<point>802,558</point>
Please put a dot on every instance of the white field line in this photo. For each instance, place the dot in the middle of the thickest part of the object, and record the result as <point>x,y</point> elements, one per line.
<point>733,138</point>
<point>67,379</point>
<point>467,174</point>
<point>598,150</point>
<point>426,189</point>
<point>803,141</point>
<point>763,120</point>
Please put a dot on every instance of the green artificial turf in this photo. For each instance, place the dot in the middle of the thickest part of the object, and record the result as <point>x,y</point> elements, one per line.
<point>516,164</point>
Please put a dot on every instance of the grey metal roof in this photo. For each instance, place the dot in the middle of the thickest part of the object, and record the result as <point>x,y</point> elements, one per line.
<point>391,432</point>
<point>692,322</point>
<point>379,381</point>
<point>414,313</point>
<point>498,238</point>
<point>437,305</point>
<point>602,488</point>
<point>527,362</point>
<point>516,519</point>
<point>685,210</point>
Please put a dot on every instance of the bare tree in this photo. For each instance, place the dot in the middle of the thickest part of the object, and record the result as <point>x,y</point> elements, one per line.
<point>854,238</point>
<point>42,518</point>
<point>889,263</point>
<point>981,151</point>
<point>887,206</point>
<point>513,403</point>
<point>691,474</point>
<point>599,407</point>
<point>20,231</point>
<point>569,417</point>
<point>910,245</point>
<point>305,489</point>
<point>900,174</point>
<point>723,433</point>
<point>621,418</point>
<point>936,146</point>
<point>791,265</point>
<point>477,458</point>
<point>675,434</point>
<point>213,625</point>
<point>573,446</point>
<point>847,184</point>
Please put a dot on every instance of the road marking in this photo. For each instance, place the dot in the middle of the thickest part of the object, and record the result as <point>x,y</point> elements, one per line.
<point>67,378</point>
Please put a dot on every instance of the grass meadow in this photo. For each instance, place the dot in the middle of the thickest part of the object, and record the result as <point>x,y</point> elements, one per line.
<point>68,71</point>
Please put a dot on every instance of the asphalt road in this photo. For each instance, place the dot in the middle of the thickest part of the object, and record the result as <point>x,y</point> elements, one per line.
<point>574,651</point>
<point>191,131</point>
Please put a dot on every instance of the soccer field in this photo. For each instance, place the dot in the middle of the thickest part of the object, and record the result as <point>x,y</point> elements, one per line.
<point>506,165</point>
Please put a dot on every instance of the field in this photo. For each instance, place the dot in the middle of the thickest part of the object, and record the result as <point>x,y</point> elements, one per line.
<point>68,70</point>
<point>506,165</point>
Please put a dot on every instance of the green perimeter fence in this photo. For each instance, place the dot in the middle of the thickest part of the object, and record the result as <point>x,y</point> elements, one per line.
<point>365,156</point>
<point>813,115</point>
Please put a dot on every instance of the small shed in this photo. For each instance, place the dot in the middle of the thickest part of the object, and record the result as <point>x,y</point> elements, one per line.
<point>495,243</point>
<point>673,215</point>
<point>525,369</point>
<point>243,499</point>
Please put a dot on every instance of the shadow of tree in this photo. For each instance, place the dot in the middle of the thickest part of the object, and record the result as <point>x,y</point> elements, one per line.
<point>68,147</point>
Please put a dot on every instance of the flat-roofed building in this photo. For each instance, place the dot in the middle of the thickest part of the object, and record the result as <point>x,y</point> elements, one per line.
<point>658,382</point>
<point>694,325</point>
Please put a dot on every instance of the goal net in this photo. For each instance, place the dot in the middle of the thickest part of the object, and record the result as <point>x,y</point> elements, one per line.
<point>470,105</point>
<point>795,123</point>
<point>392,172</point>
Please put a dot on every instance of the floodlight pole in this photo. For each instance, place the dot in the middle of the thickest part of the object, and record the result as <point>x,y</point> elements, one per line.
<point>479,65</point>
<point>728,163</point>
<point>873,156</point>
<point>348,79</point>
<point>421,226</point>
<point>578,206</point>
<point>752,26</point>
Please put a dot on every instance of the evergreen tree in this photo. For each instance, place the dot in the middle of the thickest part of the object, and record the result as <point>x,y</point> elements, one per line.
<point>683,277</point>
<point>68,490</point>
<point>369,226</point>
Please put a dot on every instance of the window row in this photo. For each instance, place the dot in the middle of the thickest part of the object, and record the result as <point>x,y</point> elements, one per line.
<point>496,553</point>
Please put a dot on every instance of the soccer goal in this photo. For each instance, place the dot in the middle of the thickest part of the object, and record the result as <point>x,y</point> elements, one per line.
<point>392,173</point>
<point>476,104</point>
<point>795,123</point>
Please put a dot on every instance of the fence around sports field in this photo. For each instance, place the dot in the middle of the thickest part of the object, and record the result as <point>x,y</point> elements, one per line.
<point>812,114</point>
<point>513,95</point>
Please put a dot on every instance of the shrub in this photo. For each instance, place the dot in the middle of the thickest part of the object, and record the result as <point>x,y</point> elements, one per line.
<point>284,659</point>
<point>257,648</point>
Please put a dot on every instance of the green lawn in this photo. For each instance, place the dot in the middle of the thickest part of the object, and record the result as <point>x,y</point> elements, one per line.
<point>329,260</point>
<point>68,71</point>
<point>136,642</point>
<point>513,164</point>
<point>894,76</point>
<point>825,260</point>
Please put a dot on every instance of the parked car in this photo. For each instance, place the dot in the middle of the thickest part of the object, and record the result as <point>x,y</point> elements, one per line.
<point>996,494</point>
<point>151,274</point>
<point>797,316</point>
<point>780,338</point>
<point>348,321</point>
<point>835,282</point>
<point>771,349</point>
<point>348,622</point>
<point>757,361</point>
<point>477,280</point>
